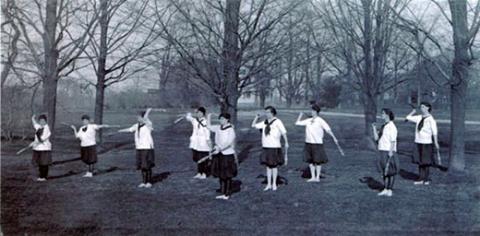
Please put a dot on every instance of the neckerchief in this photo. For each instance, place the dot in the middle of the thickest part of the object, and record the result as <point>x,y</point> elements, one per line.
<point>200,123</point>
<point>84,129</point>
<point>39,133</point>
<point>267,126</point>
<point>138,128</point>
<point>226,127</point>
<point>420,125</point>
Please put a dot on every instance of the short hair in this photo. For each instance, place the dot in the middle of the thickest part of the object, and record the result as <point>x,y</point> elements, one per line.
<point>225,115</point>
<point>85,117</point>
<point>389,112</point>
<point>202,110</point>
<point>427,105</point>
<point>272,110</point>
<point>316,108</point>
<point>42,117</point>
<point>142,113</point>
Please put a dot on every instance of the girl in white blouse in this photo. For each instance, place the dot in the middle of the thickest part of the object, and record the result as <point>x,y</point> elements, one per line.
<point>88,143</point>
<point>272,157</point>
<point>426,136</point>
<point>314,152</point>
<point>224,163</point>
<point>388,163</point>
<point>200,141</point>
<point>144,146</point>
<point>42,148</point>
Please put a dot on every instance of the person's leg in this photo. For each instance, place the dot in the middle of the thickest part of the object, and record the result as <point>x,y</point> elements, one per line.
<point>228,187</point>
<point>319,172</point>
<point>144,176</point>
<point>269,179</point>
<point>312,172</point>
<point>385,186</point>
<point>427,175</point>
<point>149,176</point>
<point>222,188</point>
<point>392,182</point>
<point>43,171</point>
<point>274,178</point>
<point>420,175</point>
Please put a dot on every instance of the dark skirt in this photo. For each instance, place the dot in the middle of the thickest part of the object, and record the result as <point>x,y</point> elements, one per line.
<point>224,166</point>
<point>423,155</point>
<point>392,162</point>
<point>315,154</point>
<point>272,157</point>
<point>89,154</point>
<point>42,158</point>
<point>197,155</point>
<point>145,159</point>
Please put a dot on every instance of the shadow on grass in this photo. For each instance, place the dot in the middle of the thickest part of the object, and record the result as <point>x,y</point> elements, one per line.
<point>280,179</point>
<point>68,174</point>
<point>408,175</point>
<point>243,155</point>
<point>105,171</point>
<point>372,183</point>
<point>160,177</point>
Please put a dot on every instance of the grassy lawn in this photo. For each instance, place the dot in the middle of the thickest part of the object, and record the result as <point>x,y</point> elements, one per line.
<point>345,202</point>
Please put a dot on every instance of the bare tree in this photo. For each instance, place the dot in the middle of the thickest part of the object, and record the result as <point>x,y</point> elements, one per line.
<point>463,35</point>
<point>54,24</point>
<point>226,45</point>
<point>125,33</point>
<point>364,32</point>
<point>10,39</point>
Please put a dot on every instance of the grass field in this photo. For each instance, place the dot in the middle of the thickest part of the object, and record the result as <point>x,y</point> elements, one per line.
<point>345,202</point>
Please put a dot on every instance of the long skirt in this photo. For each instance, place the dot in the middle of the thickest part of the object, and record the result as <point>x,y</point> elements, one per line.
<point>224,166</point>
<point>315,154</point>
<point>42,158</point>
<point>387,166</point>
<point>89,154</point>
<point>145,159</point>
<point>272,157</point>
<point>423,155</point>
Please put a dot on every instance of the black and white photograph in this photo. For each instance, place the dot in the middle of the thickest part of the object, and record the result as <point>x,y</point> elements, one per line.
<point>240,117</point>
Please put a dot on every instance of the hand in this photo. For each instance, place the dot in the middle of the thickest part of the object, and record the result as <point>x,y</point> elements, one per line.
<point>286,146</point>
<point>390,153</point>
<point>73,127</point>
<point>286,160</point>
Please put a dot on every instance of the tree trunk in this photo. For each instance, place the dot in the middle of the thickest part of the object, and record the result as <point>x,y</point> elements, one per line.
<point>50,79</point>
<point>370,112</point>
<point>101,71</point>
<point>232,56</point>
<point>459,84</point>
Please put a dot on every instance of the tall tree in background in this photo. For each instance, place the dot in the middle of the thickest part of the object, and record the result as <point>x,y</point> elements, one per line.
<point>463,35</point>
<point>125,32</point>
<point>225,44</point>
<point>56,25</point>
<point>364,32</point>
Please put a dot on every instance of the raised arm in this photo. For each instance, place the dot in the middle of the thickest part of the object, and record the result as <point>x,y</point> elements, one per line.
<point>209,122</point>
<point>409,117</point>
<point>147,113</point>
<point>74,130</point>
<point>255,120</point>
<point>34,121</point>
<point>299,118</point>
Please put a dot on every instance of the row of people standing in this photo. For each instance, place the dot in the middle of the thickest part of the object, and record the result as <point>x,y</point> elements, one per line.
<point>220,157</point>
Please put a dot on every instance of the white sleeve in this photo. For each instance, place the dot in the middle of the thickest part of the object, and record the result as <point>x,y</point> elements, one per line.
<point>95,126</point>
<point>302,122</point>
<point>215,128</point>
<point>260,125</point>
<point>46,133</point>
<point>392,134</point>
<point>325,126</point>
<point>281,127</point>
<point>133,128</point>
<point>433,124</point>
<point>414,119</point>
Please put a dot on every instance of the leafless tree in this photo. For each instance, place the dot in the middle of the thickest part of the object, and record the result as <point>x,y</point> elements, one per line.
<point>226,44</point>
<point>50,31</point>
